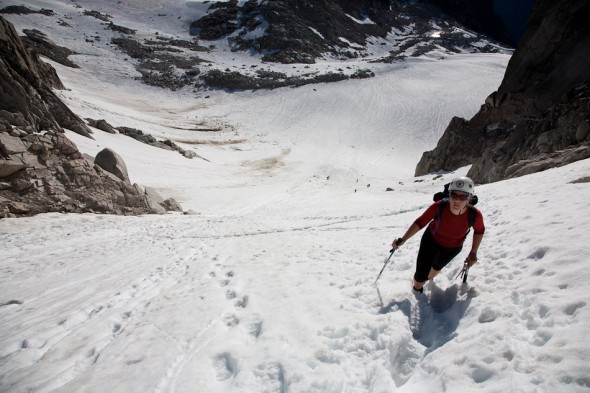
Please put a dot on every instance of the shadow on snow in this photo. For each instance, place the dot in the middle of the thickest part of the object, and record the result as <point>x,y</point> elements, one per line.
<point>433,318</point>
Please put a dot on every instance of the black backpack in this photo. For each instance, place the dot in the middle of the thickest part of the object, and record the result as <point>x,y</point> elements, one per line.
<point>445,194</point>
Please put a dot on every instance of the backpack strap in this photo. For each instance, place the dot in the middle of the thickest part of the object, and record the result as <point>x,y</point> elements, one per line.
<point>441,207</point>
<point>471,215</point>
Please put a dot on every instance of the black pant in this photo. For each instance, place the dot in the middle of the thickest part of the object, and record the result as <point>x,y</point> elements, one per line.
<point>432,255</point>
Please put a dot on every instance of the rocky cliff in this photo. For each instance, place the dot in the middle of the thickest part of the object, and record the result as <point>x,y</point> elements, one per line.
<point>539,117</point>
<point>40,169</point>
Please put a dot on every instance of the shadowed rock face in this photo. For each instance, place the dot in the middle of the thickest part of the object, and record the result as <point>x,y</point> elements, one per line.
<point>539,116</point>
<point>40,169</point>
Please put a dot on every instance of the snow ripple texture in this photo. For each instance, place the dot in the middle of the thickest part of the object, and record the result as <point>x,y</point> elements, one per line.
<point>277,304</point>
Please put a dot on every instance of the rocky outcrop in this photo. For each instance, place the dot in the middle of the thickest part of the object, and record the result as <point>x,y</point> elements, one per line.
<point>40,169</point>
<point>102,125</point>
<point>38,41</point>
<point>300,31</point>
<point>25,87</point>
<point>44,172</point>
<point>150,140</point>
<point>140,136</point>
<point>539,116</point>
<point>157,63</point>
<point>262,79</point>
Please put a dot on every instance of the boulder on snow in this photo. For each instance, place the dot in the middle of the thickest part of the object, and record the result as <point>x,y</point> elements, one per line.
<point>171,204</point>
<point>111,162</point>
<point>157,202</point>
<point>154,194</point>
<point>159,209</point>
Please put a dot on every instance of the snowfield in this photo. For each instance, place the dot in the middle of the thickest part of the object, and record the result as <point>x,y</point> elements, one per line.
<point>267,286</point>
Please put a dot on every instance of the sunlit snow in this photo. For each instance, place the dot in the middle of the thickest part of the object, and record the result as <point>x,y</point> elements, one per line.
<point>268,285</point>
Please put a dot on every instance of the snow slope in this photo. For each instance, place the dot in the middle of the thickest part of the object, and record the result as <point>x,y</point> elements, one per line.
<point>269,286</point>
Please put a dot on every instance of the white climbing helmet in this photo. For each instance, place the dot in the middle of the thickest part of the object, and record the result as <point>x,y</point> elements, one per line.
<point>463,184</point>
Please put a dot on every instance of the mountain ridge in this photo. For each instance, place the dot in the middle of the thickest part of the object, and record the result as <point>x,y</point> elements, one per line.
<point>302,31</point>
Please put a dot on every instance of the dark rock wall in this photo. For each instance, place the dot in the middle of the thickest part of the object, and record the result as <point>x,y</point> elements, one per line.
<point>536,119</point>
<point>552,58</point>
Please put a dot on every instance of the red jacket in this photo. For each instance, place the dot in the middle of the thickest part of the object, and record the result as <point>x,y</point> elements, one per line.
<point>452,229</point>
